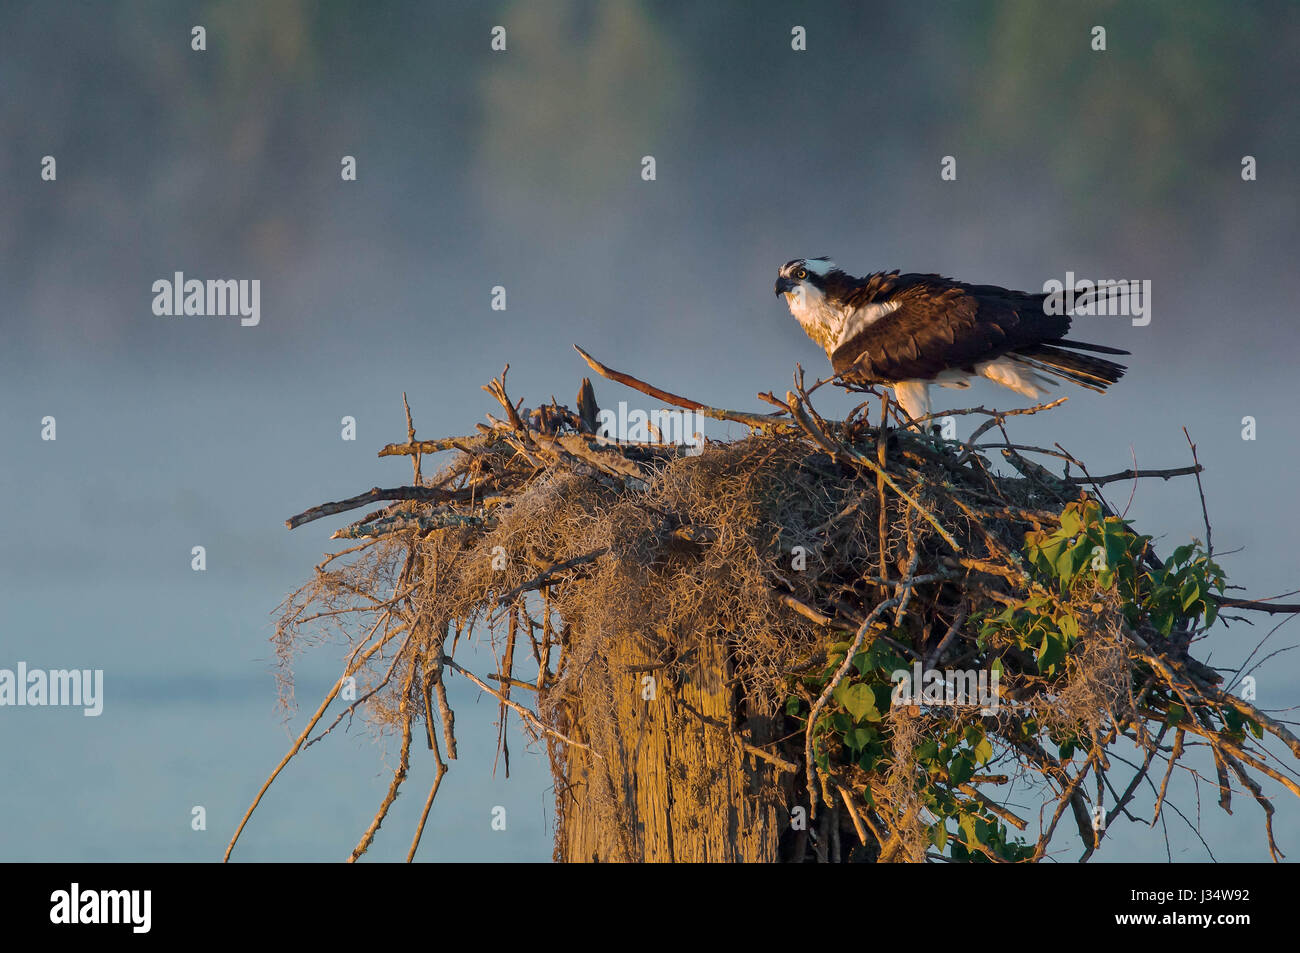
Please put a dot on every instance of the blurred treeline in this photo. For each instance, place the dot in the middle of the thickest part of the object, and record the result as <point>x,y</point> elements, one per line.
<point>1138,146</point>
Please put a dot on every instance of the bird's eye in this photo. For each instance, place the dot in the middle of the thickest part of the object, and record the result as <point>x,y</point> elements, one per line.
<point>801,274</point>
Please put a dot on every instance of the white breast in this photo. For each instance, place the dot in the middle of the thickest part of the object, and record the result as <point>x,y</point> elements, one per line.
<point>821,321</point>
<point>829,325</point>
<point>864,316</point>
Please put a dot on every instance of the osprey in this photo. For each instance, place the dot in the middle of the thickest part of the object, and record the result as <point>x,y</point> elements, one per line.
<point>909,331</point>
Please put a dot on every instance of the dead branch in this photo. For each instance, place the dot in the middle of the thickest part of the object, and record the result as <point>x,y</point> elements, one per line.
<point>761,421</point>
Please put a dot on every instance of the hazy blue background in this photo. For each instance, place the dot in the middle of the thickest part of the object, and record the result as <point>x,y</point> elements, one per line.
<point>523,169</point>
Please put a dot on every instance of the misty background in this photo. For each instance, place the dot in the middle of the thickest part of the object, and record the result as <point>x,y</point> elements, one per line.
<point>523,169</point>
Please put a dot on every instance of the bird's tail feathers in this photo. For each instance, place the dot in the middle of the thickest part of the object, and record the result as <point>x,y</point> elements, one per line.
<point>1094,373</point>
<point>1097,348</point>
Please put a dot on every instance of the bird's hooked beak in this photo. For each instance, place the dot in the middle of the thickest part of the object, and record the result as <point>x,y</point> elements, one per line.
<point>784,284</point>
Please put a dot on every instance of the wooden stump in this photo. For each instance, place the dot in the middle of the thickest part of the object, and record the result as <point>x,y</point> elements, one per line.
<point>675,784</point>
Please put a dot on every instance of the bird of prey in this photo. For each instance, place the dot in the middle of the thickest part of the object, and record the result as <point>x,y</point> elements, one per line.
<point>909,331</point>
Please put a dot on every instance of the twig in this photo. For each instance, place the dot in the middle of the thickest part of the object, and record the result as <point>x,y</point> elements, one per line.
<point>441,765</point>
<point>996,417</point>
<point>781,764</point>
<point>807,611</point>
<point>1209,542</point>
<point>424,815</point>
<point>373,495</point>
<point>497,388</point>
<point>1134,475</point>
<point>410,439</point>
<point>527,715</point>
<point>1256,605</point>
<point>761,421</point>
<point>320,712</point>
<point>517,683</point>
<point>853,814</point>
<point>429,447</point>
<point>403,765</point>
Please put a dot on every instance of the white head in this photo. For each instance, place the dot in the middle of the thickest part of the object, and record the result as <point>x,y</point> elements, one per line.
<point>802,281</point>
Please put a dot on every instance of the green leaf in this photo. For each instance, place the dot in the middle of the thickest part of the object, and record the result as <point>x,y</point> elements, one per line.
<point>858,738</point>
<point>1116,550</point>
<point>1050,554</point>
<point>939,835</point>
<point>983,752</point>
<point>1232,719</point>
<point>967,824</point>
<point>859,699</point>
<point>1063,565</point>
<point>1081,556</point>
<point>1050,653</point>
<point>961,769</point>
<point>1071,519</point>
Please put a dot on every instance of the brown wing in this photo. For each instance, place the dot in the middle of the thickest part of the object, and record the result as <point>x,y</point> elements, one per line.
<point>939,324</point>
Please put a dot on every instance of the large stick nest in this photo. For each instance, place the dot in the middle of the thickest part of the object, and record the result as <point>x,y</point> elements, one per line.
<point>814,549</point>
